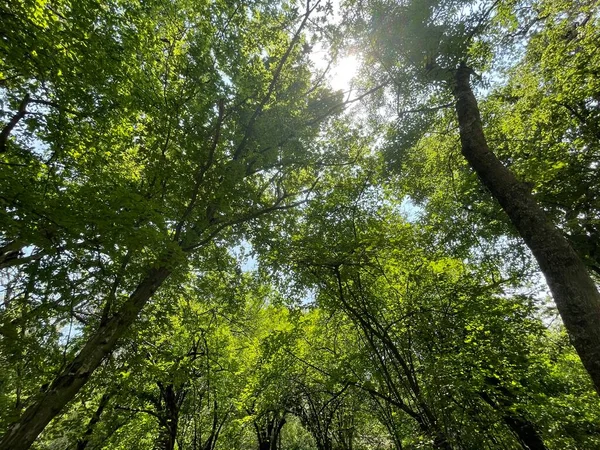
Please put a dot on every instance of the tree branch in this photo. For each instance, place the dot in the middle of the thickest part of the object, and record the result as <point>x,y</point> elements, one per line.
<point>5,133</point>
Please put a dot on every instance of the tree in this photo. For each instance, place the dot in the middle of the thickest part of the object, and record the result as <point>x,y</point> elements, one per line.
<point>437,46</point>
<point>549,127</point>
<point>195,126</point>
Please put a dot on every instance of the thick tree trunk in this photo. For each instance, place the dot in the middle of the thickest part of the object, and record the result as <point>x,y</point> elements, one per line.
<point>66,385</point>
<point>439,439</point>
<point>573,289</point>
<point>428,424</point>
<point>276,445</point>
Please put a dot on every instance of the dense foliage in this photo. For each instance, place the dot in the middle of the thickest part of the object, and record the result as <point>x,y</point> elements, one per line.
<point>205,245</point>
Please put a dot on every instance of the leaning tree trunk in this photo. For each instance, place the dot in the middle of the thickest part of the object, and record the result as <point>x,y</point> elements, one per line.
<point>573,289</point>
<point>66,385</point>
<point>84,441</point>
<point>525,431</point>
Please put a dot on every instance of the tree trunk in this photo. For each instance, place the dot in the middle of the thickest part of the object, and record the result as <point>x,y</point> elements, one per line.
<point>268,432</point>
<point>83,442</point>
<point>573,289</point>
<point>217,425</point>
<point>524,430</point>
<point>49,403</point>
<point>526,433</point>
<point>170,417</point>
<point>167,437</point>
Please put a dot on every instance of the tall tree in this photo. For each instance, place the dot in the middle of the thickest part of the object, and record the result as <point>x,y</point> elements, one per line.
<point>435,47</point>
<point>201,118</point>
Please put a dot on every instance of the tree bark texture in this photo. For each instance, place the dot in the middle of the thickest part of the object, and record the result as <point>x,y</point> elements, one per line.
<point>574,291</point>
<point>48,404</point>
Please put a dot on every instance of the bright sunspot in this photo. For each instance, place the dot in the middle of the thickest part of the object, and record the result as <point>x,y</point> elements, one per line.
<point>343,73</point>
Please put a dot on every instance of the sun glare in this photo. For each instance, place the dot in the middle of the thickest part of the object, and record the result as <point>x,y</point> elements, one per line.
<point>340,74</point>
<point>343,73</point>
